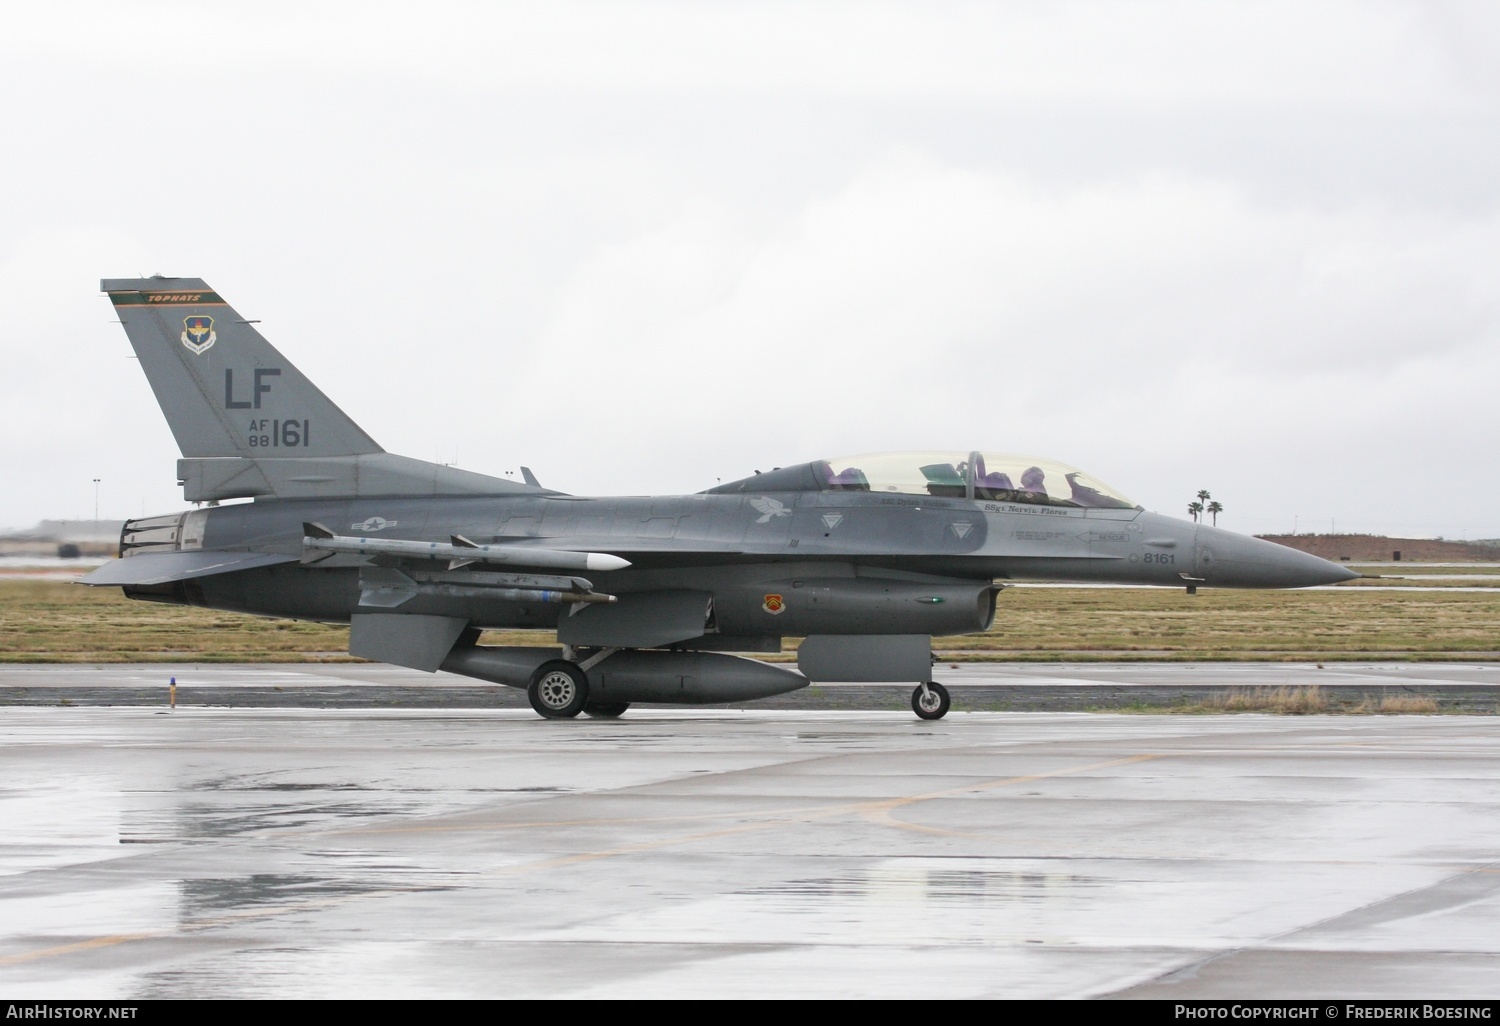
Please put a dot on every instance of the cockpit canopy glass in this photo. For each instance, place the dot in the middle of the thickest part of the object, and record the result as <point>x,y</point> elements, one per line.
<point>996,476</point>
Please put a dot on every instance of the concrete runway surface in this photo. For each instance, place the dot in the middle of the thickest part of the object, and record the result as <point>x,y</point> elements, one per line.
<point>993,687</point>
<point>217,853</point>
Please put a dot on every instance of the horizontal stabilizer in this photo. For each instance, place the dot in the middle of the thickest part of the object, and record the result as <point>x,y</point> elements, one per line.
<point>165,567</point>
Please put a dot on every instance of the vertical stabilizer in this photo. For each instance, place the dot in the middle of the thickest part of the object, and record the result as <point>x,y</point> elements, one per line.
<point>248,422</point>
<point>224,389</point>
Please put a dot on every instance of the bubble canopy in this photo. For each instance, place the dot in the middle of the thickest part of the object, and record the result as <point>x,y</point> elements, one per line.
<point>995,476</point>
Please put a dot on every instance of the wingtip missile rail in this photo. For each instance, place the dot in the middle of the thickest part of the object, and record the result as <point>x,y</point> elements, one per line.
<point>319,542</point>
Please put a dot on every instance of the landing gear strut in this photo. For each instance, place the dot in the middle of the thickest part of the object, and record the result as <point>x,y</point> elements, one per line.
<point>559,690</point>
<point>930,701</point>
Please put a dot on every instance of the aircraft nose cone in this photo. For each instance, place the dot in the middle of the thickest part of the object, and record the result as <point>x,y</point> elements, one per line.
<point>1236,561</point>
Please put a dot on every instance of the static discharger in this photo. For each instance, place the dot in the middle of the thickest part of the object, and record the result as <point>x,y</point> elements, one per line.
<point>319,543</point>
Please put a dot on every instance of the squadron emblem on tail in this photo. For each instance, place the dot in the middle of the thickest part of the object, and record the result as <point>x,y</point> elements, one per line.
<point>198,333</point>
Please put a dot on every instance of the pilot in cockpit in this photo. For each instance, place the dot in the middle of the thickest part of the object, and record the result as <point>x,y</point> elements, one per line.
<point>1033,480</point>
<point>988,485</point>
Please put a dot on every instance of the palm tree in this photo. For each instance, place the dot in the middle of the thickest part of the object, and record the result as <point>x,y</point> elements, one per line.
<point>1216,507</point>
<point>1195,508</point>
<point>1203,495</point>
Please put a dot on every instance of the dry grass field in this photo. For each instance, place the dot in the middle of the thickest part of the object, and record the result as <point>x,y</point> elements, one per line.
<point>62,622</point>
<point>57,621</point>
<point>1339,623</point>
<point>1301,701</point>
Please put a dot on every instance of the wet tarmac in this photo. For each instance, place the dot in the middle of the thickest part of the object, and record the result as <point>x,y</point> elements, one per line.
<point>993,687</point>
<point>213,853</point>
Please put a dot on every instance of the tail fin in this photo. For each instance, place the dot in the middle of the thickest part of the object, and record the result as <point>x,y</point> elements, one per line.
<point>225,390</point>
<point>248,422</point>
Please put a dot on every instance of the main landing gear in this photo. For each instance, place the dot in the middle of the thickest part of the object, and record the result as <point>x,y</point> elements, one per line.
<point>559,690</point>
<point>930,701</point>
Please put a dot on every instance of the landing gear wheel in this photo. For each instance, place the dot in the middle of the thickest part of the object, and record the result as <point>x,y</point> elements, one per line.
<point>607,710</point>
<point>930,701</point>
<point>559,690</point>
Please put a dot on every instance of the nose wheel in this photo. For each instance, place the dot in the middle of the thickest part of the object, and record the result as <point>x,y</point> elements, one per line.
<point>930,701</point>
<point>559,690</point>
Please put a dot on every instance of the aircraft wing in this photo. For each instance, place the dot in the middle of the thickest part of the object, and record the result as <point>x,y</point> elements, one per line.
<point>164,567</point>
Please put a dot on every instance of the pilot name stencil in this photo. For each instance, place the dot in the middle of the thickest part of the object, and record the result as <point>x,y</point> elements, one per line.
<point>1050,511</point>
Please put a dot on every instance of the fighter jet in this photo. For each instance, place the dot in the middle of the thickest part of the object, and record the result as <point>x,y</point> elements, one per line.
<point>866,557</point>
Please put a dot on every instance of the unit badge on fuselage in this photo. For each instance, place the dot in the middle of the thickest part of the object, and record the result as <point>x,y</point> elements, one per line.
<point>773,604</point>
<point>768,508</point>
<point>198,334</point>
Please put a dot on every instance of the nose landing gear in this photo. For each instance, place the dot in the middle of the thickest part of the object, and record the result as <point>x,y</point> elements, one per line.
<point>930,701</point>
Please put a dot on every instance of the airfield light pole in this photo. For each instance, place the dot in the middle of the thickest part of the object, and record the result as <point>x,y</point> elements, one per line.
<point>96,502</point>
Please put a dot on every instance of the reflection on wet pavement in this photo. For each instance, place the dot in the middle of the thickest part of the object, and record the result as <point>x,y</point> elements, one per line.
<point>223,853</point>
<point>202,898</point>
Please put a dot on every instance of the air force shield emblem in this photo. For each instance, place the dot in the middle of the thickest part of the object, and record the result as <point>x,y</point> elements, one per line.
<point>198,334</point>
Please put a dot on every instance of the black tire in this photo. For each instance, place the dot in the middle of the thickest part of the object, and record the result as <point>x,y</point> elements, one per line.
<point>607,710</point>
<point>937,702</point>
<point>558,690</point>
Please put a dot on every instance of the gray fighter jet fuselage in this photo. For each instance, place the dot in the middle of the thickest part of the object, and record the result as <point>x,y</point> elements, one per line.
<point>866,557</point>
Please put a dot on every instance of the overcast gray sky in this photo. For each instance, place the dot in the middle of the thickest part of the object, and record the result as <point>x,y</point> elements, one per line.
<point>641,247</point>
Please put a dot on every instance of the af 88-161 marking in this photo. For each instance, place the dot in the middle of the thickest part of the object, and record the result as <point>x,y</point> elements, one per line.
<point>278,434</point>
